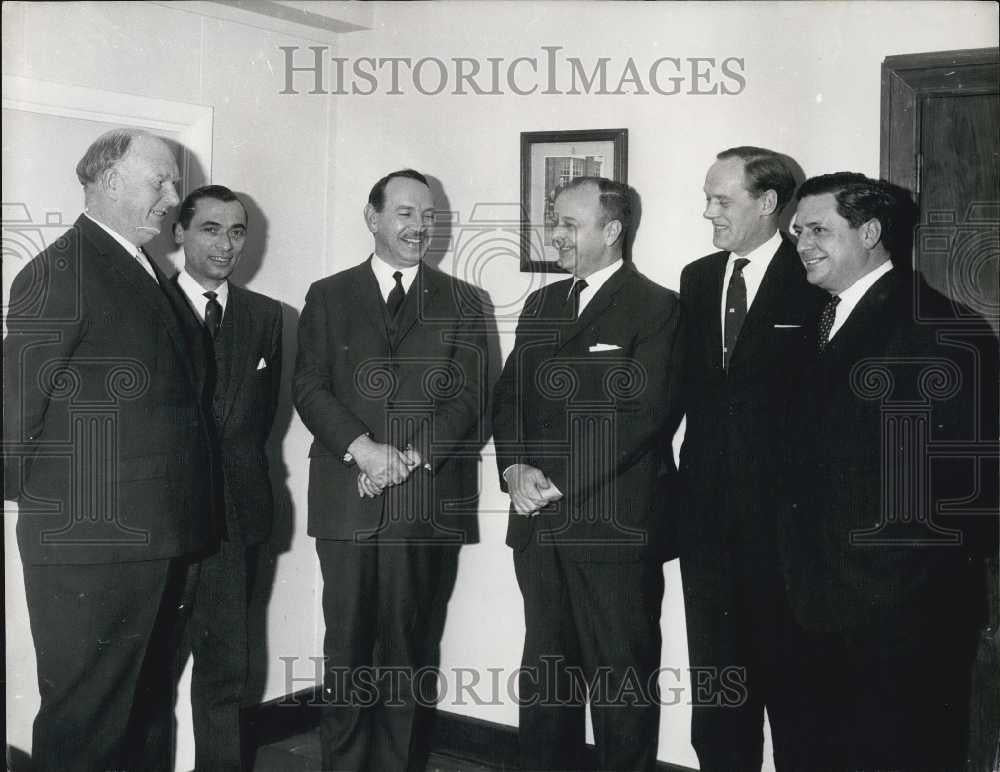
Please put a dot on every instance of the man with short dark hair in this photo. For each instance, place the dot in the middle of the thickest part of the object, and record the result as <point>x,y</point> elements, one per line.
<point>749,316</point>
<point>108,453</point>
<point>389,379</point>
<point>894,498</point>
<point>243,339</point>
<point>579,410</point>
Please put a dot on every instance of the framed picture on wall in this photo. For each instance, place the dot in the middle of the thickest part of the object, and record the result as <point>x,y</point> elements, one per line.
<point>550,159</point>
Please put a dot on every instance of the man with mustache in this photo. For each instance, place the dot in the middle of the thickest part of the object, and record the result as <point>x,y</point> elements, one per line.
<point>243,338</point>
<point>893,507</point>
<point>389,380</point>
<point>107,450</point>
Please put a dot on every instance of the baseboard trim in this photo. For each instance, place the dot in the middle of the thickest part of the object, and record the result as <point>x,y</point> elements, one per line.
<point>462,737</point>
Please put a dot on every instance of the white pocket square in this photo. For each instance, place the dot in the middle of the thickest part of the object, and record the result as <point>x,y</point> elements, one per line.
<point>261,364</point>
<point>604,347</point>
<point>787,326</point>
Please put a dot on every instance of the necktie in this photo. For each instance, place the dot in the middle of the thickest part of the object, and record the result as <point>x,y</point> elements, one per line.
<point>736,310</point>
<point>213,313</point>
<point>396,296</point>
<point>574,296</point>
<point>826,321</point>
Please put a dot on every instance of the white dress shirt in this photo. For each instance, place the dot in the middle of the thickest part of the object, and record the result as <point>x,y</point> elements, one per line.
<point>753,272</point>
<point>128,246</point>
<point>594,282</point>
<point>851,296</point>
<point>383,274</point>
<point>195,294</point>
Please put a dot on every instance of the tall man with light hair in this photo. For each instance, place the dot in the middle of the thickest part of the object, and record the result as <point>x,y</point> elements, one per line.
<point>750,314</point>
<point>107,452</point>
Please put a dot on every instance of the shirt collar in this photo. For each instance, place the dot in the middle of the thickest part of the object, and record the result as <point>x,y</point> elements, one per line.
<point>127,245</point>
<point>850,296</point>
<point>597,279</point>
<point>383,274</point>
<point>195,293</point>
<point>761,256</point>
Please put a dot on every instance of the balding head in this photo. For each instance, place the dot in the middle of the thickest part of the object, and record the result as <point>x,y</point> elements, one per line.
<point>129,179</point>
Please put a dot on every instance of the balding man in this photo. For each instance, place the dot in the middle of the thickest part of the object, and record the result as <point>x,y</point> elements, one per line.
<point>107,453</point>
<point>579,410</point>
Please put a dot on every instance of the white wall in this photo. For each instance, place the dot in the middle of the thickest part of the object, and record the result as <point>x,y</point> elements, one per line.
<point>812,91</point>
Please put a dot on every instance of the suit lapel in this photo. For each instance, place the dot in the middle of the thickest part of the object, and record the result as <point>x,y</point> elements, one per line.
<point>165,300</point>
<point>770,296</point>
<point>242,328</point>
<point>876,303</point>
<point>369,296</point>
<point>599,303</point>
<point>713,295</point>
<point>422,294</point>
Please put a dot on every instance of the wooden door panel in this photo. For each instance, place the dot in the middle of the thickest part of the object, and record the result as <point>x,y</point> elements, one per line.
<point>939,138</point>
<point>958,244</point>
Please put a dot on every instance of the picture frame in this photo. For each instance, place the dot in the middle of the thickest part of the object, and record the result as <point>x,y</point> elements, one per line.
<point>550,159</point>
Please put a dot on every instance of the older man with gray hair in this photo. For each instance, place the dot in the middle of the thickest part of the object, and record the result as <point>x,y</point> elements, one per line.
<point>107,452</point>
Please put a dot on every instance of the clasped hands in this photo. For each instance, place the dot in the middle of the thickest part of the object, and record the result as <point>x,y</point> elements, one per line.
<point>381,465</point>
<point>530,490</point>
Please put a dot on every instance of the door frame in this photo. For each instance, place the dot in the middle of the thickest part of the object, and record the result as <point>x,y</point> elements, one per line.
<point>909,78</point>
<point>191,123</point>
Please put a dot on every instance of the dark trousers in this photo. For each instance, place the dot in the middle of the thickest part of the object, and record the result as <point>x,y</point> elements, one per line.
<point>210,624</point>
<point>890,694</point>
<point>592,630</point>
<point>897,695</point>
<point>92,627</point>
<point>383,605</point>
<point>216,636</point>
<point>747,653</point>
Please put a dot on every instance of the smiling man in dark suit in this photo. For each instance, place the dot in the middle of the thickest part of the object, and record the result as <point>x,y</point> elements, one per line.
<point>244,366</point>
<point>580,407</point>
<point>390,380</point>
<point>893,452</point>
<point>749,316</point>
<point>108,453</point>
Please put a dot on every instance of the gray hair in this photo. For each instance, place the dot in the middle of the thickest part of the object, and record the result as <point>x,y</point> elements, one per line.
<point>105,151</point>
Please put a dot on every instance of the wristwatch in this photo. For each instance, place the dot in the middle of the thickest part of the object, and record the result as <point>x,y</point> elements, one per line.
<point>348,458</point>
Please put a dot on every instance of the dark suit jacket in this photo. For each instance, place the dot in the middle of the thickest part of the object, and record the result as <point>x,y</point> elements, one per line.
<point>107,445</point>
<point>731,438</point>
<point>420,384</point>
<point>891,392</point>
<point>244,403</point>
<point>591,419</point>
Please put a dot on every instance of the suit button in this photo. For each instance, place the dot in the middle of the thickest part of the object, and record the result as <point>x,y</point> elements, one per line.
<point>546,424</point>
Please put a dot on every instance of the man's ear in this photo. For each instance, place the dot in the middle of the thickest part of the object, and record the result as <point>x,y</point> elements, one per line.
<point>178,234</point>
<point>768,202</point>
<point>871,233</point>
<point>612,231</point>
<point>112,182</point>
<point>371,218</point>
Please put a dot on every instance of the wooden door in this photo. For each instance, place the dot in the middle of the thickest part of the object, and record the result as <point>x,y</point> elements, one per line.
<point>941,139</point>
